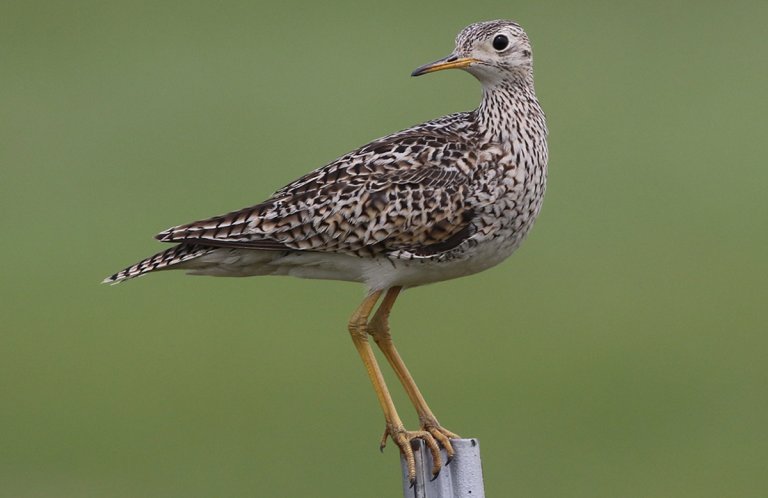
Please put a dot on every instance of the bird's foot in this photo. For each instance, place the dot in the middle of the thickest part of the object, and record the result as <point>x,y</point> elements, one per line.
<point>442,435</point>
<point>430,434</point>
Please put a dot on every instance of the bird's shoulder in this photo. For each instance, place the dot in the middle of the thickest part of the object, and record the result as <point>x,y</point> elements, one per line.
<point>434,144</point>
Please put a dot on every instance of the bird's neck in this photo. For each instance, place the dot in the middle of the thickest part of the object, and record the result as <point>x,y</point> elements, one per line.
<point>505,106</point>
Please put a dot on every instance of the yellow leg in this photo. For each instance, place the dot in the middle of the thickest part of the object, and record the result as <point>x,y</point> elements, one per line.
<point>379,329</point>
<point>358,327</point>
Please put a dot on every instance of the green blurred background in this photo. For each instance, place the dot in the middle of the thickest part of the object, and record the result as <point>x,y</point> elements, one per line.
<point>620,353</point>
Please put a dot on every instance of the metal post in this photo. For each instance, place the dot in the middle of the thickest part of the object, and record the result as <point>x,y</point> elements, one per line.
<point>463,478</point>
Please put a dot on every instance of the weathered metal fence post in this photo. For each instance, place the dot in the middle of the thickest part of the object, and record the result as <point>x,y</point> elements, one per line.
<point>463,478</point>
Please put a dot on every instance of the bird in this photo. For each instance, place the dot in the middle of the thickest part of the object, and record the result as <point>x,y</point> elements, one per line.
<point>443,199</point>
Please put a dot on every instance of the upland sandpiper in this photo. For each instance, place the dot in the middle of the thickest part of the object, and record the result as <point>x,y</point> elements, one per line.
<point>440,200</point>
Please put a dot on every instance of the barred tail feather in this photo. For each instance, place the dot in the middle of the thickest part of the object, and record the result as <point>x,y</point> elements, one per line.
<point>160,261</point>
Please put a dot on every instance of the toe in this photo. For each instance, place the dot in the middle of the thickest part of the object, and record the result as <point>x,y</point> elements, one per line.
<point>434,448</point>
<point>444,441</point>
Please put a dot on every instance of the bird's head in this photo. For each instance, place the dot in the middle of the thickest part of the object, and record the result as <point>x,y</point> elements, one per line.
<point>493,51</point>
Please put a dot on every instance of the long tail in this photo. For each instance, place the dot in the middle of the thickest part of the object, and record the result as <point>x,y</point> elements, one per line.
<point>162,260</point>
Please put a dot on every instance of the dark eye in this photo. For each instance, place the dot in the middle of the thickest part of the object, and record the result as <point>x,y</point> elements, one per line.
<point>500,42</point>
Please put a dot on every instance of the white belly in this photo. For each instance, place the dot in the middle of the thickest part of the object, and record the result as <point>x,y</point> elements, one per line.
<point>376,273</point>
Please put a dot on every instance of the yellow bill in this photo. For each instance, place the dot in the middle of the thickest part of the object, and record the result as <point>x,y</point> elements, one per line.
<point>450,62</point>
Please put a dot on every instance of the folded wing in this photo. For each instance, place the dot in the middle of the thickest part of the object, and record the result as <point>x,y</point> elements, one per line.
<point>402,196</point>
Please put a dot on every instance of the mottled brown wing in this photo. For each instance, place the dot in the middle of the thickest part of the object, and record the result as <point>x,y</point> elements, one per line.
<point>430,211</point>
<point>420,211</point>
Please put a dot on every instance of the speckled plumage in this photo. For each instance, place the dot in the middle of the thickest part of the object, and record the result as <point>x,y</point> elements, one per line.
<point>442,199</point>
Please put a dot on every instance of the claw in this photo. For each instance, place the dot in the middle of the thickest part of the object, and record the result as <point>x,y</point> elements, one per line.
<point>444,436</point>
<point>433,436</point>
<point>383,442</point>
